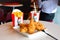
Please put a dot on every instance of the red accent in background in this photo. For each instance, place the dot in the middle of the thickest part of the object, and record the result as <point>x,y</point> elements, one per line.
<point>13,19</point>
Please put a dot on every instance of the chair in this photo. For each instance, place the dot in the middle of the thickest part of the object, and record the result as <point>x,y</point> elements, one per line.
<point>1,15</point>
<point>8,17</point>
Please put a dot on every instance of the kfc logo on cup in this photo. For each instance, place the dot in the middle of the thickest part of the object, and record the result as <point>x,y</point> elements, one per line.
<point>35,15</point>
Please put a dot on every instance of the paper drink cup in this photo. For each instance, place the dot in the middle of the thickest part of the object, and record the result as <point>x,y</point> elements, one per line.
<point>35,15</point>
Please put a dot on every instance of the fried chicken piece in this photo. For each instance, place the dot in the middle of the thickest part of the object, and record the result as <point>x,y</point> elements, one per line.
<point>22,25</point>
<point>39,26</point>
<point>23,29</point>
<point>31,27</point>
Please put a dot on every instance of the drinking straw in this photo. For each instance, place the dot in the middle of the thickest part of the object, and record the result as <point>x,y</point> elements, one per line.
<point>35,7</point>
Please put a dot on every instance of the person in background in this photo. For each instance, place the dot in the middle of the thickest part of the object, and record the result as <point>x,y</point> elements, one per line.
<point>2,15</point>
<point>48,9</point>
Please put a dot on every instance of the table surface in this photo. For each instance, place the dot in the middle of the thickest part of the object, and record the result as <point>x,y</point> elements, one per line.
<point>7,33</point>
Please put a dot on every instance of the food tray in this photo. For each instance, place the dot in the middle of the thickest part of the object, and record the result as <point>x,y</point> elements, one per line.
<point>34,35</point>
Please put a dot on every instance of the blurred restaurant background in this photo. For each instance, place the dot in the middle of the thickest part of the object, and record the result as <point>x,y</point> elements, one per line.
<point>5,11</point>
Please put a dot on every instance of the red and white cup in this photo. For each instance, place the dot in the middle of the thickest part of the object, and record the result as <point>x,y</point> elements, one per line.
<point>16,20</point>
<point>35,15</point>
